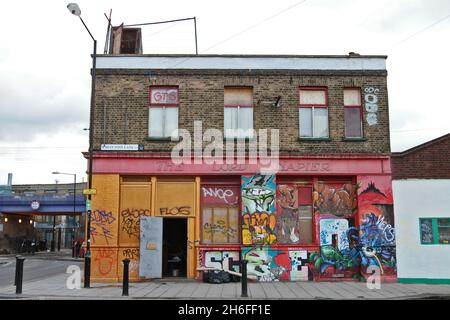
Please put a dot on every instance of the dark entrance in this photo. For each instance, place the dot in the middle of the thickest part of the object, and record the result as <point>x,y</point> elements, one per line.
<point>174,247</point>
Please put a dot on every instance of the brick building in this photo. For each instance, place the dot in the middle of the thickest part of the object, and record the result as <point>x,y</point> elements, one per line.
<point>421,185</point>
<point>326,214</point>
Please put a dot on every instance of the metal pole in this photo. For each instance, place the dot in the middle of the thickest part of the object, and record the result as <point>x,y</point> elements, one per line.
<point>244,293</point>
<point>87,259</point>
<point>74,210</point>
<point>126,263</point>
<point>19,273</point>
<point>195,26</point>
<point>52,247</point>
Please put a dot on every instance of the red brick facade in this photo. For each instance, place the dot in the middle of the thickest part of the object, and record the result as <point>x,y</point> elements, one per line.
<point>430,160</point>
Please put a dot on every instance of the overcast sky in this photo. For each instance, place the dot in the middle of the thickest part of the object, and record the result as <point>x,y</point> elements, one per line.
<point>45,62</point>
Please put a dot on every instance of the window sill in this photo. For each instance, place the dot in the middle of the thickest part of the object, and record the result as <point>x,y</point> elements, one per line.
<point>161,139</point>
<point>314,139</point>
<point>354,139</point>
<point>239,139</point>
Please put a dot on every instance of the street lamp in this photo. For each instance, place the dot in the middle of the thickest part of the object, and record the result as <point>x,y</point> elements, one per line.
<point>75,10</point>
<point>74,190</point>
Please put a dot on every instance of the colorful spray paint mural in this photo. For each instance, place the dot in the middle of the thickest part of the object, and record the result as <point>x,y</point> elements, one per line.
<point>338,199</point>
<point>258,210</point>
<point>276,265</point>
<point>219,260</point>
<point>339,250</point>
<point>377,232</point>
<point>287,228</point>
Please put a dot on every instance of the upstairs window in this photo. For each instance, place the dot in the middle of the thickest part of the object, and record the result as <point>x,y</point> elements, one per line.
<point>313,113</point>
<point>163,112</point>
<point>353,113</point>
<point>238,112</point>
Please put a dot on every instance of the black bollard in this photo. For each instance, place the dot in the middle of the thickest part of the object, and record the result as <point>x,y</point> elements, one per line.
<point>126,263</point>
<point>87,270</point>
<point>19,274</point>
<point>17,269</point>
<point>244,279</point>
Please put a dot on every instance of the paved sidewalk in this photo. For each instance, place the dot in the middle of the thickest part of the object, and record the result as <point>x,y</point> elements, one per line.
<point>55,288</point>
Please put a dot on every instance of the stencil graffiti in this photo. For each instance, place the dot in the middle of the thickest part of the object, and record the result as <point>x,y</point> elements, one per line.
<point>101,225</point>
<point>131,220</point>
<point>276,265</point>
<point>336,199</point>
<point>258,208</point>
<point>287,228</point>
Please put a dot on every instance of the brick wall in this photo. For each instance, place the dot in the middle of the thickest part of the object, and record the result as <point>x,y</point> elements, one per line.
<point>428,161</point>
<point>122,106</point>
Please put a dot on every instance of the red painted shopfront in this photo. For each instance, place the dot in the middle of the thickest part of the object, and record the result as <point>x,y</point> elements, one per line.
<point>318,218</point>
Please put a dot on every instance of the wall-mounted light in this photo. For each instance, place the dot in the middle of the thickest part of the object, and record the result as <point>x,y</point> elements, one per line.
<point>6,219</point>
<point>20,220</point>
<point>31,221</point>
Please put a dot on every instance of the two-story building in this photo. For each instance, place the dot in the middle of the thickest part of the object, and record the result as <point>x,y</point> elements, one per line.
<point>324,213</point>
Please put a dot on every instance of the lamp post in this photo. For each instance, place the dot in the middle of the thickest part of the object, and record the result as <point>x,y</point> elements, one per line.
<point>75,10</point>
<point>74,189</point>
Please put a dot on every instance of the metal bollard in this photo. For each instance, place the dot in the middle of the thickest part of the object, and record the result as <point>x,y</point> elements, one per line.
<point>19,274</point>
<point>17,269</point>
<point>126,263</point>
<point>244,279</point>
<point>87,270</point>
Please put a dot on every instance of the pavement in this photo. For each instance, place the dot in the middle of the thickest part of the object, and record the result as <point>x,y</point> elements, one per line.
<point>55,288</point>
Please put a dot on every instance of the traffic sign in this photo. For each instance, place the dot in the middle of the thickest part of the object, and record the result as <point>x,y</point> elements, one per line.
<point>89,191</point>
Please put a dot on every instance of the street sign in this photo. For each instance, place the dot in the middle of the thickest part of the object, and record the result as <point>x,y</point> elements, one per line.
<point>122,147</point>
<point>89,191</point>
<point>88,204</point>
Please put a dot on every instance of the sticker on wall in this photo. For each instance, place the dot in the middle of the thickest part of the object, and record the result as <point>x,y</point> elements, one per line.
<point>258,209</point>
<point>371,105</point>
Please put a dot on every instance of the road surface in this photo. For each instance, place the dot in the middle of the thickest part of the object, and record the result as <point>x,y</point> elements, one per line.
<point>34,269</point>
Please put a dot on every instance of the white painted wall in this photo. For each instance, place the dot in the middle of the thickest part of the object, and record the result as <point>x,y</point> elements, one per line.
<point>414,199</point>
<point>240,62</point>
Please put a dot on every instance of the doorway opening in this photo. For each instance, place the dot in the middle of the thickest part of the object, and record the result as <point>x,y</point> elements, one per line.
<point>174,247</point>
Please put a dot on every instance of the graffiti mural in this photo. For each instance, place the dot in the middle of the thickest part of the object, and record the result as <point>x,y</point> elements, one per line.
<point>330,228</point>
<point>258,209</point>
<point>377,228</point>
<point>276,265</point>
<point>220,260</point>
<point>335,198</point>
<point>339,255</point>
<point>287,229</point>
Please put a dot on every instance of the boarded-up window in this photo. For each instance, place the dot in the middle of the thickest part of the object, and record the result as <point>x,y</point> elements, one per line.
<point>175,198</point>
<point>305,214</point>
<point>220,225</point>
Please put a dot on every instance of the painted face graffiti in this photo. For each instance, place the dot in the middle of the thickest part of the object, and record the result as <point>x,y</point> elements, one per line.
<point>339,200</point>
